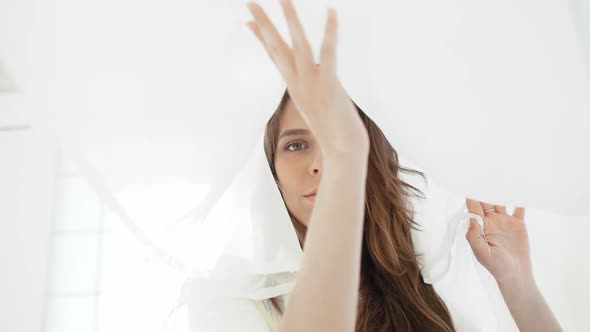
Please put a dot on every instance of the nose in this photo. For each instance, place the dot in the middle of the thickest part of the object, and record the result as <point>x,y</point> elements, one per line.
<point>316,163</point>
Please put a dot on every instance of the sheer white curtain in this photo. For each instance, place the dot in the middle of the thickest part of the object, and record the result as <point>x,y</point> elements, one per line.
<point>162,103</point>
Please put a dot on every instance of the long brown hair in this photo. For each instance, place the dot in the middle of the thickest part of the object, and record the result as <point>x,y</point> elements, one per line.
<point>392,294</point>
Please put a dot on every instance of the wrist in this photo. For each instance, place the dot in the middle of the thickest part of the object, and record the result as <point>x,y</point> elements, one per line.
<point>346,161</point>
<point>527,305</point>
<point>521,289</point>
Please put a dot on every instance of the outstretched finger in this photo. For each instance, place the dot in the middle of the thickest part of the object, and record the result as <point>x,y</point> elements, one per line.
<point>518,212</point>
<point>501,209</point>
<point>256,30</point>
<point>274,44</point>
<point>301,47</point>
<point>328,50</point>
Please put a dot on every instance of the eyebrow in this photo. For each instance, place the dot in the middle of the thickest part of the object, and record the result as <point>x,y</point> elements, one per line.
<point>294,132</point>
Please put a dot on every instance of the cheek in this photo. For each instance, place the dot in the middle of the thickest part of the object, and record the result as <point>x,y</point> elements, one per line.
<point>286,173</point>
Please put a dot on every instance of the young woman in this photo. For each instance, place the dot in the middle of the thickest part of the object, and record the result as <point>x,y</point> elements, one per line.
<point>339,179</point>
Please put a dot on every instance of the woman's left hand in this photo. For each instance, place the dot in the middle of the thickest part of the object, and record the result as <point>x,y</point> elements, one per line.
<point>509,259</point>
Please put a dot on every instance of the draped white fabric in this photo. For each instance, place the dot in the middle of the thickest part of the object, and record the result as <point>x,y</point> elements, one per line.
<point>486,84</point>
<point>163,105</point>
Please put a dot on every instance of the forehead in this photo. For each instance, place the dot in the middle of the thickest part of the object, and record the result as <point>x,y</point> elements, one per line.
<point>291,118</point>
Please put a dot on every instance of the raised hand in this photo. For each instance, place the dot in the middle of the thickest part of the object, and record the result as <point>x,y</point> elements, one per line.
<point>314,88</point>
<point>508,258</point>
<point>509,261</point>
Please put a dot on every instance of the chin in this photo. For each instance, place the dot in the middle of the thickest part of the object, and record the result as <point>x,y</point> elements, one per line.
<point>306,221</point>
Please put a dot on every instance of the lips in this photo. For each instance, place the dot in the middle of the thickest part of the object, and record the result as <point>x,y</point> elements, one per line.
<point>313,193</point>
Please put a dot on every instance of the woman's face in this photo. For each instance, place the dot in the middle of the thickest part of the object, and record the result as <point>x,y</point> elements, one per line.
<point>298,163</point>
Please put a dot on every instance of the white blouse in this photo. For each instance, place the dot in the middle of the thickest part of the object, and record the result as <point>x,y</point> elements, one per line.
<point>468,290</point>
<point>472,308</point>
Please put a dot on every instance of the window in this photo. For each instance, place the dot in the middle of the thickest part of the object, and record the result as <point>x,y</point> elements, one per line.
<point>100,279</point>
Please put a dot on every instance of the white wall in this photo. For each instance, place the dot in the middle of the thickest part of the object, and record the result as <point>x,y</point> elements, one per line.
<point>27,173</point>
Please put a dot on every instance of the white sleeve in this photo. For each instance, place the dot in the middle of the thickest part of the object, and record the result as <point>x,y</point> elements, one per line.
<point>202,311</point>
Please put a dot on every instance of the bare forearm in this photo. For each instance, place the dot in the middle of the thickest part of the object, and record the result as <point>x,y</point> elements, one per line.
<point>326,292</point>
<point>528,307</point>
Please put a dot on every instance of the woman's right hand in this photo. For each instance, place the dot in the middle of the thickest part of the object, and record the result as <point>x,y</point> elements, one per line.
<point>314,89</point>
